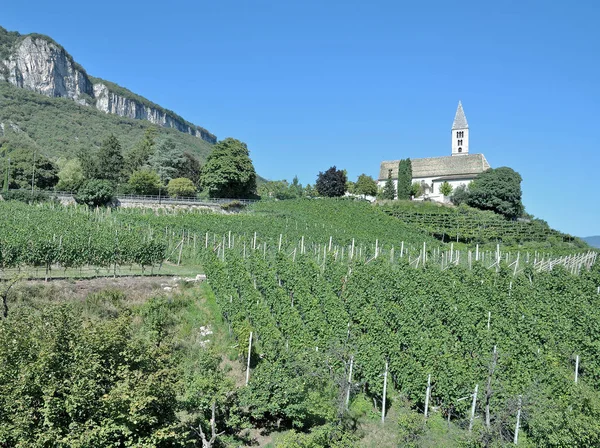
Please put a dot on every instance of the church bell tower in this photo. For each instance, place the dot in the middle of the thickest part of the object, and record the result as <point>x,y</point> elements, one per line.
<point>460,133</point>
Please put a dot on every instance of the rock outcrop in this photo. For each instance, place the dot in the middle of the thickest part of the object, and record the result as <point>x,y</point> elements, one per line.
<point>39,64</point>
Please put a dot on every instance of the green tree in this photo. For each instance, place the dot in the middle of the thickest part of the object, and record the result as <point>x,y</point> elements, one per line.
<point>168,160</point>
<point>145,182</point>
<point>21,170</point>
<point>310,191</point>
<point>404,179</point>
<point>446,188</point>
<point>142,151</point>
<point>228,172</point>
<point>296,188</point>
<point>365,185</point>
<point>191,168</point>
<point>109,164</point>
<point>70,175</point>
<point>460,195</point>
<point>416,190</point>
<point>331,183</point>
<point>498,190</point>
<point>389,190</point>
<point>278,189</point>
<point>181,187</point>
<point>83,383</point>
<point>95,193</point>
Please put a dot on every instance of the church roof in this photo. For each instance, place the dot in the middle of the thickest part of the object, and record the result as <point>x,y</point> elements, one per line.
<point>439,166</point>
<point>460,120</point>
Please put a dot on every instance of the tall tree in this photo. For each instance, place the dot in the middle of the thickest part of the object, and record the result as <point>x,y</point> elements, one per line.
<point>331,183</point>
<point>142,151</point>
<point>70,175</point>
<point>168,160</point>
<point>21,170</point>
<point>404,179</point>
<point>191,168</point>
<point>499,190</point>
<point>389,190</point>
<point>109,165</point>
<point>365,185</point>
<point>228,172</point>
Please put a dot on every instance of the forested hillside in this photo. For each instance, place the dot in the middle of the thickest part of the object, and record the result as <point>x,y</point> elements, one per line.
<point>60,127</point>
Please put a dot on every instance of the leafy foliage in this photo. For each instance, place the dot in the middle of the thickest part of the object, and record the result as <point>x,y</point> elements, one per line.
<point>499,190</point>
<point>229,172</point>
<point>168,160</point>
<point>460,195</point>
<point>95,193</point>
<point>86,385</point>
<point>20,169</point>
<point>331,183</point>
<point>389,189</point>
<point>140,154</point>
<point>181,187</point>
<point>365,185</point>
<point>109,162</point>
<point>70,175</point>
<point>404,179</point>
<point>145,182</point>
<point>446,188</point>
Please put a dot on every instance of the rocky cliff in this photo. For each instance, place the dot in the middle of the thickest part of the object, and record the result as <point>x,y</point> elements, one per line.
<point>37,63</point>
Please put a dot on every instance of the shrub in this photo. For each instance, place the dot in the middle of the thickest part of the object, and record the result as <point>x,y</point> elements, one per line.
<point>181,187</point>
<point>95,193</point>
<point>145,182</point>
<point>26,196</point>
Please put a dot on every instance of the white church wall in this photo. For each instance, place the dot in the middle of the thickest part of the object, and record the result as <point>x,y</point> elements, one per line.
<point>435,195</point>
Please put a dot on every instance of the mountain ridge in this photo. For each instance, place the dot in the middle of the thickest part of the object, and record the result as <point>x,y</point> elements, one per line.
<point>593,241</point>
<point>38,63</point>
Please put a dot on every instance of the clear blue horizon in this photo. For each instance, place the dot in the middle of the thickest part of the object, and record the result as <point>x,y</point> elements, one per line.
<point>312,84</point>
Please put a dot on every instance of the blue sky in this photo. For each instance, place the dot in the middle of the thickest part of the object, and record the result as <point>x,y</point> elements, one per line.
<point>310,84</point>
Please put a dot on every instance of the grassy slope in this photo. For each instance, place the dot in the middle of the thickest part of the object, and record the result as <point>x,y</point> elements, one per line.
<point>60,127</point>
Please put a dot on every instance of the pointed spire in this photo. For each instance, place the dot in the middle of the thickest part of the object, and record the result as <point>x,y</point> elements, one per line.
<point>460,121</point>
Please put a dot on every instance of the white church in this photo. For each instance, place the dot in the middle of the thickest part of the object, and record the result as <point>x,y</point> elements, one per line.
<point>460,168</point>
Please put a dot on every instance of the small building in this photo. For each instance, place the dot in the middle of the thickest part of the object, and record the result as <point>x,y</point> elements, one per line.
<point>457,169</point>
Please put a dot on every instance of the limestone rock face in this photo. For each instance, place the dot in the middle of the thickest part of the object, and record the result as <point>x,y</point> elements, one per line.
<point>45,68</point>
<point>40,65</point>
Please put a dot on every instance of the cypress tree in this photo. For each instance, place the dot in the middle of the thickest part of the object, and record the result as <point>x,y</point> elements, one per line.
<point>404,179</point>
<point>389,191</point>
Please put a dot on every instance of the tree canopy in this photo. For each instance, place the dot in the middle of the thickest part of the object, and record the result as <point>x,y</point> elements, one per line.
<point>404,188</point>
<point>365,185</point>
<point>229,172</point>
<point>331,183</point>
<point>109,163</point>
<point>20,173</point>
<point>389,189</point>
<point>167,160</point>
<point>498,190</point>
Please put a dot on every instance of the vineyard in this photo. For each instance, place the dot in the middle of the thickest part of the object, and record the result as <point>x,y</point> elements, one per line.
<point>468,225</point>
<point>77,239</point>
<point>71,239</point>
<point>338,302</point>
<point>515,337</point>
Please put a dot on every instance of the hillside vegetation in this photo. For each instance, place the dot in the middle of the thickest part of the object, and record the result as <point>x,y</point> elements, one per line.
<point>59,127</point>
<point>472,226</point>
<point>318,286</point>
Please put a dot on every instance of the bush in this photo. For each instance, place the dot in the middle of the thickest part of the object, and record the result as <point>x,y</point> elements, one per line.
<point>27,196</point>
<point>145,182</point>
<point>95,193</point>
<point>181,187</point>
<point>460,195</point>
